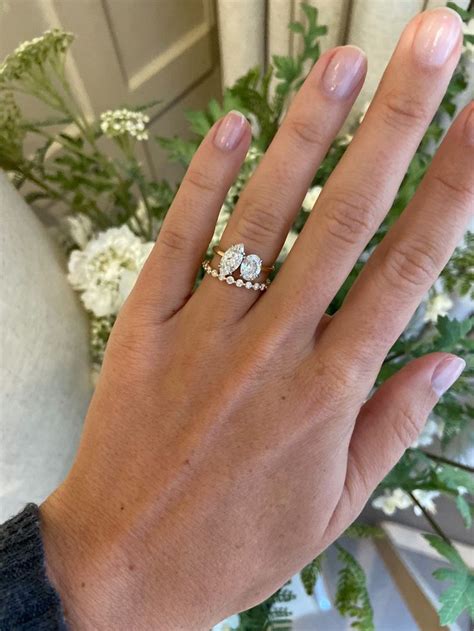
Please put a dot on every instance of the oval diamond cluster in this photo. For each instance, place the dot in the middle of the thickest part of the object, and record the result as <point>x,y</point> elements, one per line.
<point>235,257</point>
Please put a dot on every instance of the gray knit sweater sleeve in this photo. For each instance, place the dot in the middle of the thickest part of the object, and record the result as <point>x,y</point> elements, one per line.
<point>27,599</point>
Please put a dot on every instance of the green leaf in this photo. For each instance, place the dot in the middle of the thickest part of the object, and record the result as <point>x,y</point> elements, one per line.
<point>309,575</point>
<point>296,27</point>
<point>451,332</point>
<point>456,598</point>
<point>363,531</point>
<point>448,551</point>
<point>200,124</point>
<point>460,594</point>
<point>352,598</point>
<point>464,509</point>
<point>453,478</point>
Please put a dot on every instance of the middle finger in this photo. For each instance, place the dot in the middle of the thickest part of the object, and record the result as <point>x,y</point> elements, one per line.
<point>362,188</point>
<point>273,196</point>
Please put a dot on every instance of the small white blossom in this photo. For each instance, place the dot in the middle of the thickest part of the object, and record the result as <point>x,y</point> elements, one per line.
<point>121,122</point>
<point>346,139</point>
<point>33,54</point>
<point>254,124</point>
<point>80,229</point>
<point>390,501</point>
<point>439,305</point>
<point>363,111</point>
<point>107,268</point>
<point>428,433</point>
<point>311,197</point>
<point>426,500</point>
<point>289,243</point>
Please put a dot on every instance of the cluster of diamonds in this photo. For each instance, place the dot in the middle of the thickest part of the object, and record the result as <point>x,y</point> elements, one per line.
<point>230,280</point>
<point>235,257</point>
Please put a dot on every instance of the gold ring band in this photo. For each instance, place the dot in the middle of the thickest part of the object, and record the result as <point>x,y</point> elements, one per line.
<point>264,268</point>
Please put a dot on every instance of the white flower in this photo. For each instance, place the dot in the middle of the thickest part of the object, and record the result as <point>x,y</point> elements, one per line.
<point>346,139</point>
<point>221,223</point>
<point>107,268</point>
<point>254,124</point>
<point>289,242</point>
<point>80,229</point>
<point>391,500</point>
<point>121,122</point>
<point>426,500</point>
<point>363,111</point>
<point>426,437</point>
<point>310,198</point>
<point>439,305</point>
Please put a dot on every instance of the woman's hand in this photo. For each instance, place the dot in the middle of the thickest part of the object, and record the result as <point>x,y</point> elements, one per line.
<point>230,439</point>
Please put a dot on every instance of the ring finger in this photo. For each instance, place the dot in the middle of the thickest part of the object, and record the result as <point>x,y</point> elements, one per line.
<point>273,196</point>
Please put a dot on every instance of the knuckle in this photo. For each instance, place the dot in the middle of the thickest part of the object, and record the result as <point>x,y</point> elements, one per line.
<point>409,266</point>
<point>337,381</point>
<point>171,243</point>
<point>258,223</point>
<point>306,132</point>
<point>401,111</point>
<point>350,217</point>
<point>407,426</point>
<point>449,187</point>
<point>201,181</point>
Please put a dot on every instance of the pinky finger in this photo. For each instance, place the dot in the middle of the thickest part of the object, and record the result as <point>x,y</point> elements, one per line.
<point>168,276</point>
<point>389,423</point>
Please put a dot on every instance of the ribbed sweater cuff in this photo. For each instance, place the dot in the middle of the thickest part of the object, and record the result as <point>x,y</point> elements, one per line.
<point>27,599</point>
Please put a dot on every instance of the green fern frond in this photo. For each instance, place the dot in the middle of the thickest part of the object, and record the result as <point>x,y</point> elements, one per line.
<point>352,598</point>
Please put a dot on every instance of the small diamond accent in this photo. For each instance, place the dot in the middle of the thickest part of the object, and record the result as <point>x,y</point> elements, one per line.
<point>230,280</point>
<point>249,285</point>
<point>239,282</point>
<point>214,273</point>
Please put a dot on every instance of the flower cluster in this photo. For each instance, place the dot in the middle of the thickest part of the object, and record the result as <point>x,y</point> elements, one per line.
<point>49,47</point>
<point>436,306</point>
<point>11,132</point>
<point>105,271</point>
<point>124,122</point>
<point>390,501</point>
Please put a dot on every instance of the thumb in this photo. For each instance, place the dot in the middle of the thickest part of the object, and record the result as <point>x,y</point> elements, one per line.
<point>390,421</point>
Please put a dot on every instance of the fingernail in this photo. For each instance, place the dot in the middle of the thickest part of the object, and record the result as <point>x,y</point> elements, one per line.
<point>343,72</point>
<point>436,37</point>
<point>469,127</point>
<point>446,373</point>
<point>230,131</point>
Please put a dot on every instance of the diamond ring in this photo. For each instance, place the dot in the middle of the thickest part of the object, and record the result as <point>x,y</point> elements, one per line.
<point>251,265</point>
<point>230,280</point>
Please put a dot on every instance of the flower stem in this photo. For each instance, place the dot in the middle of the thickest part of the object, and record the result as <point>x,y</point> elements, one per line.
<point>449,462</point>
<point>429,519</point>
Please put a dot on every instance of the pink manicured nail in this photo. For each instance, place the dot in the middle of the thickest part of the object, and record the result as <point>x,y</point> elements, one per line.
<point>469,127</point>
<point>230,131</point>
<point>446,373</point>
<point>436,37</point>
<point>343,72</point>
